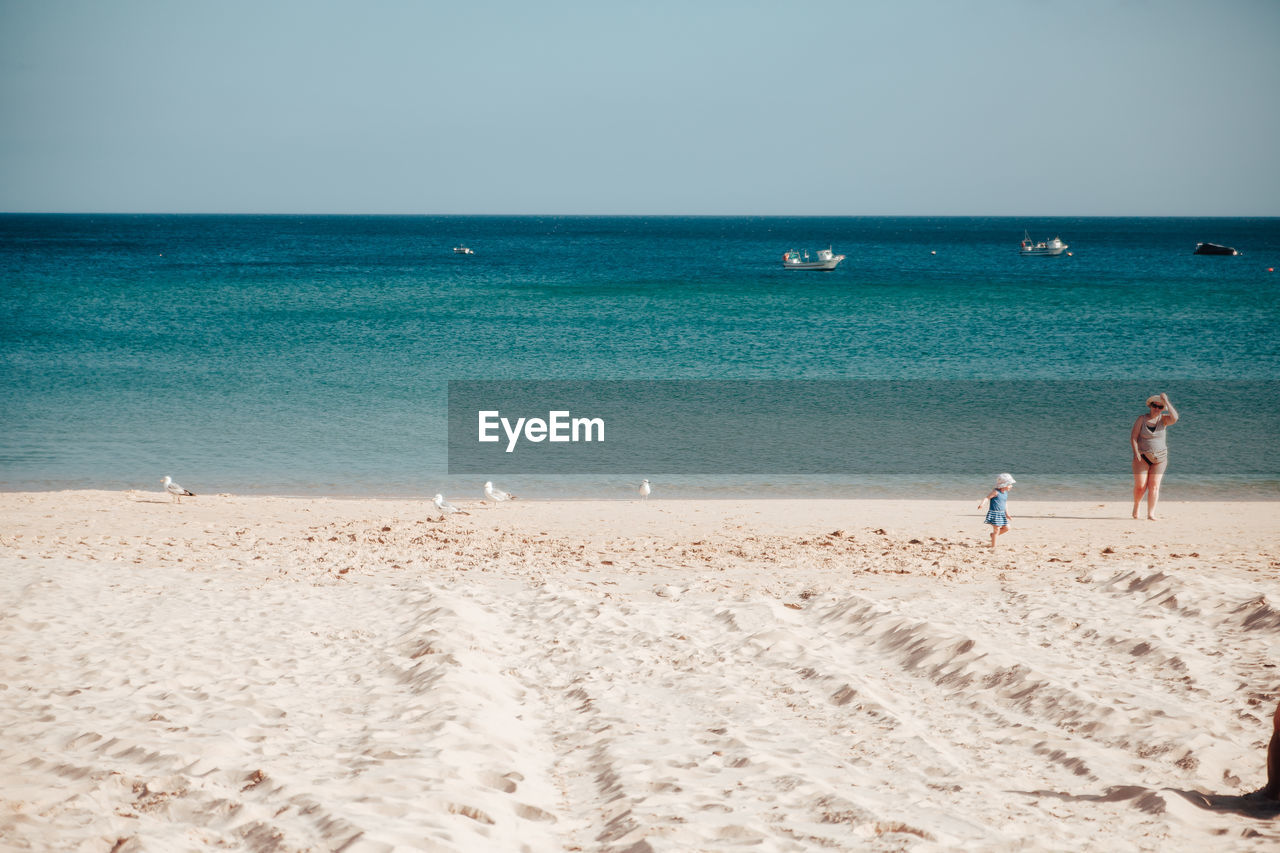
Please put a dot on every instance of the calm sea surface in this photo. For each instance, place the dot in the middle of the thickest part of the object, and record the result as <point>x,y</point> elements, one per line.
<point>310,355</point>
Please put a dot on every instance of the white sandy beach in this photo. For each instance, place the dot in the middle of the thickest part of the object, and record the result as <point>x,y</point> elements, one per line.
<point>288,674</point>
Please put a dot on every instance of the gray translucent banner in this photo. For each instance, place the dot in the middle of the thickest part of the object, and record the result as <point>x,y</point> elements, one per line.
<point>852,427</point>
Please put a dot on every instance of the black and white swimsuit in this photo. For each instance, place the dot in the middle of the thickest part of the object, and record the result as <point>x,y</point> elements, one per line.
<point>1151,440</point>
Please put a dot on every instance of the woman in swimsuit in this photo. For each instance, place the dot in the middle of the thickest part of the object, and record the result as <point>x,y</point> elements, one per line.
<point>1150,452</point>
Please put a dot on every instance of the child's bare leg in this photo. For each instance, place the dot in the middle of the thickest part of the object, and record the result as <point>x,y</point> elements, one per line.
<point>995,531</point>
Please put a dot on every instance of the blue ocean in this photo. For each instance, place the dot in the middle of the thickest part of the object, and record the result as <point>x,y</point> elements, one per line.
<point>311,354</point>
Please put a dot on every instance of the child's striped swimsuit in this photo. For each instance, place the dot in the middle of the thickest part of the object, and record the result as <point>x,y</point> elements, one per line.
<point>995,512</point>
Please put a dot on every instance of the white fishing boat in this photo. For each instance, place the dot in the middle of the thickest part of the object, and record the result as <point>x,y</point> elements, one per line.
<point>462,250</point>
<point>1046,249</point>
<point>825,260</point>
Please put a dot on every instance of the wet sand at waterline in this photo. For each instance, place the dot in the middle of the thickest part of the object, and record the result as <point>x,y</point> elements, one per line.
<point>258,673</point>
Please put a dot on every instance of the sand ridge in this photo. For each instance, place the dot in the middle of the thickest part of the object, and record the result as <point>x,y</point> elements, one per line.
<point>298,674</point>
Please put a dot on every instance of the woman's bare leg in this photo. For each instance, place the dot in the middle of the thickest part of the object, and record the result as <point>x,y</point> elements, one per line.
<point>1153,488</point>
<point>1139,483</point>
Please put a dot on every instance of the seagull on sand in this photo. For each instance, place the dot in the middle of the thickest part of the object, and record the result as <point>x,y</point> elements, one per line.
<point>644,490</point>
<point>497,496</point>
<point>446,509</point>
<point>174,489</point>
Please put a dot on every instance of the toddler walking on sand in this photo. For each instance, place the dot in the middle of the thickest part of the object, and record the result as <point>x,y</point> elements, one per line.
<point>997,516</point>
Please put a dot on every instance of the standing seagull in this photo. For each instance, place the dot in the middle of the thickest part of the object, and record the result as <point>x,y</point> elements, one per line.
<point>496,495</point>
<point>446,509</point>
<point>644,490</point>
<point>174,489</point>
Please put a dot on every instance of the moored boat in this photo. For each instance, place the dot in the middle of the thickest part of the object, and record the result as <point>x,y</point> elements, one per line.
<point>1049,248</point>
<point>1214,249</point>
<point>825,260</point>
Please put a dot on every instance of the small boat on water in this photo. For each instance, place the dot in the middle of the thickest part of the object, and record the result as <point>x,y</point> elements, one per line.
<point>1214,249</point>
<point>462,250</point>
<point>1047,249</point>
<point>825,260</point>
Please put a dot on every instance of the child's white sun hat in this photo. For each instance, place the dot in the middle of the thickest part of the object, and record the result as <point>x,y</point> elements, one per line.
<point>1004,480</point>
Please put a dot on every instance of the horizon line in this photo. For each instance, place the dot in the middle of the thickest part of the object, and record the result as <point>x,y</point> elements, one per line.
<point>649,215</point>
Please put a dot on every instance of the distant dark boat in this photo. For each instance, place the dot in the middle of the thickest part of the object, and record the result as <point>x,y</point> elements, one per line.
<point>1214,249</point>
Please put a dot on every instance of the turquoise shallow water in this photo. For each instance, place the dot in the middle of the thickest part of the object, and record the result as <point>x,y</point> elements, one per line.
<point>311,354</point>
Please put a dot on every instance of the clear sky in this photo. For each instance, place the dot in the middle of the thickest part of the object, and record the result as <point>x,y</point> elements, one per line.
<point>953,107</point>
